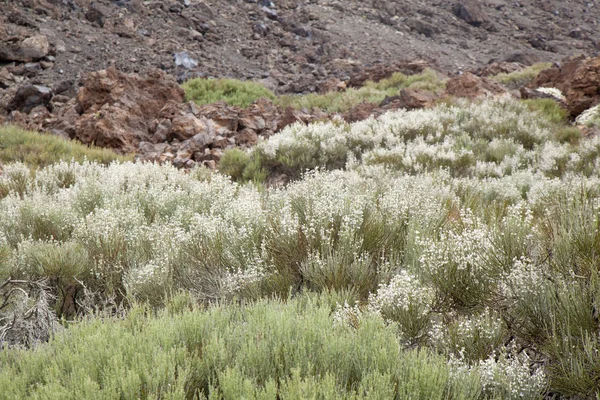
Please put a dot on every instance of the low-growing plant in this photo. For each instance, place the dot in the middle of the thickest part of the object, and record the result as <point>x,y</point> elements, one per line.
<point>371,92</point>
<point>266,350</point>
<point>233,163</point>
<point>232,91</point>
<point>39,150</point>
<point>549,109</point>
<point>516,79</point>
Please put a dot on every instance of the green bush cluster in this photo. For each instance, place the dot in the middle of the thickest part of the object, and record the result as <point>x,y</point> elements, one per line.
<point>266,350</point>
<point>514,80</point>
<point>371,92</point>
<point>242,94</point>
<point>40,150</point>
<point>232,91</point>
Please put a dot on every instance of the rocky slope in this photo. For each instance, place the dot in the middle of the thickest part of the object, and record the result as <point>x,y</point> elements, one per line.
<point>290,45</point>
<point>64,64</point>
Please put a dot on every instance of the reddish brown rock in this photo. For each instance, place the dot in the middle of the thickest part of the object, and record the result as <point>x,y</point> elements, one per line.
<point>186,126</point>
<point>291,116</point>
<point>471,86</point>
<point>112,126</point>
<point>578,79</point>
<point>150,93</point>
<point>262,116</point>
<point>360,112</point>
<point>225,118</point>
<point>409,99</point>
<point>118,108</point>
<point>246,138</point>
<point>332,85</point>
<point>499,68</point>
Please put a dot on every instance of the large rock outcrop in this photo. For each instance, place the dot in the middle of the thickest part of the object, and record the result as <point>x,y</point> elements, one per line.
<point>117,108</point>
<point>578,79</point>
<point>472,86</point>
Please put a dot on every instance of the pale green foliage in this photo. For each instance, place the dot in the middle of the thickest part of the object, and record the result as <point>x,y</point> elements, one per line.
<point>371,92</point>
<point>522,77</point>
<point>232,91</point>
<point>38,150</point>
<point>590,117</point>
<point>267,350</point>
<point>492,138</point>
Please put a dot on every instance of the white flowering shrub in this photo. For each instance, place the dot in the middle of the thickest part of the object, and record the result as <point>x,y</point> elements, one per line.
<point>554,92</point>
<point>408,303</point>
<point>456,228</point>
<point>590,117</point>
<point>473,338</point>
<point>347,316</point>
<point>495,137</point>
<point>456,263</point>
<point>509,376</point>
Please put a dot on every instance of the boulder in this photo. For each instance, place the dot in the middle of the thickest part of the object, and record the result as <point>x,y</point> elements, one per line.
<point>117,108</point>
<point>6,78</point>
<point>578,78</point>
<point>225,117</point>
<point>331,85</point>
<point>409,99</point>
<point>149,93</point>
<point>522,57</point>
<point>112,126</point>
<point>186,126</point>
<point>471,86</point>
<point>422,27</point>
<point>360,112</point>
<point>471,12</point>
<point>30,96</point>
<point>30,49</point>
<point>291,116</point>
<point>496,68</point>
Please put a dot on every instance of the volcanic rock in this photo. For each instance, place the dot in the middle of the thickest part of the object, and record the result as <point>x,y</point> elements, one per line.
<point>496,68</point>
<point>578,79</point>
<point>30,49</point>
<point>30,96</point>
<point>117,108</point>
<point>409,99</point>
<point>471,86</point>
<point>332,85</point>
<point>471,12</point>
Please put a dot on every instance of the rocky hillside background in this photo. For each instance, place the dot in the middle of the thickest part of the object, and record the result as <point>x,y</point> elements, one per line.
<point>290,45</point>
<point>107,72</point>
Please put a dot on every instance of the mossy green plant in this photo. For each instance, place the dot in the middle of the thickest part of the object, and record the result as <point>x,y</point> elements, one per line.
<point>39,150</point>
<point>519,78</point>
<point>371,92</point>
<point>234,92</point>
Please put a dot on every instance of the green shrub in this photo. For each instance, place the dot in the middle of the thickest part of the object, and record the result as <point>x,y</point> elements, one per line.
<point>371,92</point>
<point>39,150</point>
<point>267,350</point>
<point>549,109</point>
<point>232,91</point>
<point>233,163</point>
<point>519,78</point>
<point>426,80</point>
